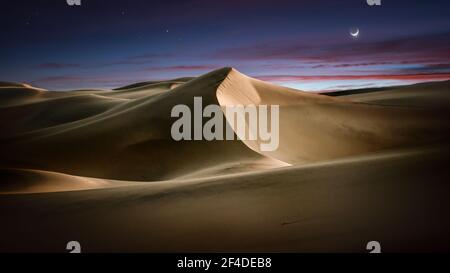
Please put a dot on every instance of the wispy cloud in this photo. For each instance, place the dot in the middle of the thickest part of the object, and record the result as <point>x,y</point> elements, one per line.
<point>56,65</point>
<point>182,68</point>
<point>434,47</point>
<point>400,60</point>
<point>412,77</point>
<point>133,60</point>
<point>58,79</point>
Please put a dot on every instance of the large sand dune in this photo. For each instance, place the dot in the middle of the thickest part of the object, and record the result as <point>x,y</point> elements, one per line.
<point>316,127</point>
<point>109,135</point>
<point>100,167</point>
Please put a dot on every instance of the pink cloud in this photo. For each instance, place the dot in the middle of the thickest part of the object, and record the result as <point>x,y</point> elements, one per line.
<point>405,77</point>
<point>181,68</point>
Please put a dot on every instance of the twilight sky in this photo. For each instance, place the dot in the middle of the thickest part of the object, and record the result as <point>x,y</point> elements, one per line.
<point>303,44</point>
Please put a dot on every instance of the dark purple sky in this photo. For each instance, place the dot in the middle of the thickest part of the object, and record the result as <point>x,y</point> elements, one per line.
<point>303,44</point>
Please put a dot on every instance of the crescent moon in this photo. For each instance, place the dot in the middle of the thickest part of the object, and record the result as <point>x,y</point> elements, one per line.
<point>355,34</point>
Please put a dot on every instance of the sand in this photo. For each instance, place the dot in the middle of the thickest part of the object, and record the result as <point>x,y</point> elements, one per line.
<point>20,181</point>
<point>100,167</point>
<point>316,127</point>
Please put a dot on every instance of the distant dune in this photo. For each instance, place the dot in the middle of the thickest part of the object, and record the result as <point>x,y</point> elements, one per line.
<point>102,167</point>
<point>429,95</point>
<point>35,181</point>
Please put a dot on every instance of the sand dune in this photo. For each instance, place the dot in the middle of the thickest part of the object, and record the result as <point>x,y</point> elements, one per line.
<point>17,93</point>
<point>397,198</point>
<point>125,134</point>
<point>147,83</point>
<point>315,127</point>
<point>100,166</point>
<point>424,95</point>
<point>112,138</point>
<point>15,181</point>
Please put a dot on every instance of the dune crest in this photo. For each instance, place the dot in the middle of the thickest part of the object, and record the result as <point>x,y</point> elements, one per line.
<point>316,127</point>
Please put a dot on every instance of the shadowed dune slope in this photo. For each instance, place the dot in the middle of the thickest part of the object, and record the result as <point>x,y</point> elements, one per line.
<point>103,134</point>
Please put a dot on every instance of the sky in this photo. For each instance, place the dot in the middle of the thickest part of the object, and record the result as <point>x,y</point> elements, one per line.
<point>304,44</point>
